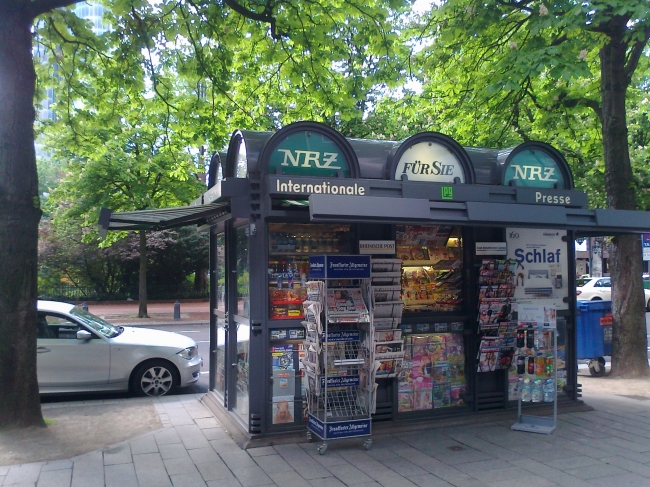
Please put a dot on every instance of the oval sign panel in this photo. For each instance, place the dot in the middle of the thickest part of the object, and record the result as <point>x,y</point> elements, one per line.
<point>534,168</point>
<point>428,161</point>
<point>309,154</point>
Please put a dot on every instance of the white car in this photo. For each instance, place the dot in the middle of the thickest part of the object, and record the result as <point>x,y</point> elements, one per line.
<point>600,288</point>
<point>78,352</point>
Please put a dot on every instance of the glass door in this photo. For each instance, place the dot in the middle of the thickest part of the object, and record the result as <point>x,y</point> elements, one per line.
<point>240,325</point>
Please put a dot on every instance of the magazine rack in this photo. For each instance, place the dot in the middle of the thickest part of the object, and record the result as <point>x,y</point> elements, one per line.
<point>338,362</point>
<point>540,424</point>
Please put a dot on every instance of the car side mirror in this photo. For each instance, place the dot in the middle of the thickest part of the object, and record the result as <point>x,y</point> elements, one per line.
<point>84,335</point>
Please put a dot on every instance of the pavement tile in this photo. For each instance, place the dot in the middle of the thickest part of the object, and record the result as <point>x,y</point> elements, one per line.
<point>349,474</point>
<point>528,481</point>
<point>150,470</point>
<point>427,480</point>
<point>167,437</point>
<point>3,471</point>
<point>326,482</point>
<point>56,478</point>
<point>217,434</point>
<point>193,479</point>
<point>23,474</point>
<point>216,470</point>
<point>273,463</point>
<point>54,465</point>
<point>205,423</point>
<point>502,474</point>
<point>174,450</point>
<point>251,476</point>
<point>88,470</point>
<point>193,442</point>
<point>237,459</point>
<point>177,466</point>
<point>288,479</point>
<point>225,483</point>
<point>570,463</point>
<point>624,480</point>
<point>629,465</point>
<point>223,445</point>
<point>469,455</point>
<point>121,475</point>
<point>483,466</point>
<point>118,454</point>
<point>262,451</point>
<point>596,471</point>
<point>145,444</point>
<point>204,455</point>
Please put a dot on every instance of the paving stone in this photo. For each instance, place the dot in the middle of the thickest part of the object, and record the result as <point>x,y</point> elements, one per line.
<point>216,470</point>
<point>571,462</point>
<point>225,483</point>
<point>23,474</point>
<point>167,437</point>
<point>629,465</point>
<point>217,434</point>
<point>262,451</point>
<point>118,454</point>
<point>528,481</point>
<point>55,465</point>
<point>177,466</point>
<point>426,480</point>
<point>348,474</point>
<point>145,444</point>
<point>121,475</point>
<point>174,450</point>
<point>326,482</point>
<point>204,455</point>
<point>483,466</point>
<point>150,470</point>
<point>495,476</point>
<point>251,476</point>
<point>237,459</point>
<point>288,479</point>
<point>206,423</point>
<point>596,471</point>
<point>273,463</point>
<point>193,479</point>
<point>223,445</point>
<point>88,470</point>
<point>193,442</point>
<point>180,418</point>
<point>624,480</point>
<point>188,430</point>
<point>3,471</point>
<point>55,478</point>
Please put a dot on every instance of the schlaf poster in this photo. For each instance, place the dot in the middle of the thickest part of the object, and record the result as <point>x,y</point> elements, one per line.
<point>541,266</point>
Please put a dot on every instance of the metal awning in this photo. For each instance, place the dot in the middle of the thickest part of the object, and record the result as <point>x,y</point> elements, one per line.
<point>164,218</point>
<point>359,209</point>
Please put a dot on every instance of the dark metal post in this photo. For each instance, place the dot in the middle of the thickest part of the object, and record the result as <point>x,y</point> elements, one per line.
<point>177,310</point>
<point>85,306</point>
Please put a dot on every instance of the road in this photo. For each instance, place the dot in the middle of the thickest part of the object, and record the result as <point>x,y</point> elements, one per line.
<point>199,333</point>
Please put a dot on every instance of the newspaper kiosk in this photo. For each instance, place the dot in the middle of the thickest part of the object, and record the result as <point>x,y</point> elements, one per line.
<point>473,232</point>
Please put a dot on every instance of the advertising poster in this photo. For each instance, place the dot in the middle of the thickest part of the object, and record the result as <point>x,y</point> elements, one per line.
<point>541,266</point>
<point>283,409</point>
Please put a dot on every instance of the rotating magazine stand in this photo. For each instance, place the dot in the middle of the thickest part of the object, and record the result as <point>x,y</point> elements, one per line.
<point>539,424</point>
<point>338,361</point>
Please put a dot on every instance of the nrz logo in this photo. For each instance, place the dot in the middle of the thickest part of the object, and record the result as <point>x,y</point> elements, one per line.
<point>513,235</point>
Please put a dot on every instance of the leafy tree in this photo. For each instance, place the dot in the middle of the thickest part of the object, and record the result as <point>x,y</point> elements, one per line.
<point>307,42</point>
<point>562,66</point>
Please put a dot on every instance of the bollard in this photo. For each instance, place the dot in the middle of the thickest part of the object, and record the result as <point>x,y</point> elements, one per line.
<point>177,310</point>
<point>85,306</point>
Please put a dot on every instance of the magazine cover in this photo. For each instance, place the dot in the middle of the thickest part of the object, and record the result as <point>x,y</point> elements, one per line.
<point>283,409</point>
<point>488,353</point>
<point>405,401</point>
<point>422,399</point>
<point>506,357</point>
<point>441,396</point>
<point>345,302</point>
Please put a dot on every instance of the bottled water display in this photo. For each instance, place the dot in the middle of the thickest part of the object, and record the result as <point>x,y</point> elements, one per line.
<point>549,391</point>
<point>537,393</point>
<point>526,391</point>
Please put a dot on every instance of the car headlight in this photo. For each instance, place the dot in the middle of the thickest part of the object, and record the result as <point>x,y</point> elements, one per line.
<point>189,353</point>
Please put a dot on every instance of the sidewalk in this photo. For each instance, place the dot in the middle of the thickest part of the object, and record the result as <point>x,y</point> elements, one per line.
<point>160,313</point>
<point>607,446</point>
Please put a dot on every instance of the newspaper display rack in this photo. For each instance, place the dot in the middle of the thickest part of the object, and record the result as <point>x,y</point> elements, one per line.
<point>338,363</point>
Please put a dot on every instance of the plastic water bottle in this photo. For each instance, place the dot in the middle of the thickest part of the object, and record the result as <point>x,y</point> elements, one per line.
<point>537,392</point>
<point>549,391</point>
<point>525,390</point>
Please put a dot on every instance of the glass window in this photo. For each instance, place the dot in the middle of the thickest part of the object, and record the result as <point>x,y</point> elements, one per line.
<point>243,275</point>
<point>432,265</point>
<point>290,246</point>
<point>220,272</point>
<point>56,326</point>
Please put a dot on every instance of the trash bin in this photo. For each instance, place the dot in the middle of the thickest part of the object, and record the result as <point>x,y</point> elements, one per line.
<point>594,334</point>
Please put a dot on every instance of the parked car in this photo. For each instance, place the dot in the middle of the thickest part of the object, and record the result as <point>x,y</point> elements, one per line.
<point>78,351</point>
<point>600,288</point>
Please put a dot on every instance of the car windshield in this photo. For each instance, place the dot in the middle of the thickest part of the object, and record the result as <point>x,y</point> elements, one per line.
<point>581,281</point>
<point>95,322</point>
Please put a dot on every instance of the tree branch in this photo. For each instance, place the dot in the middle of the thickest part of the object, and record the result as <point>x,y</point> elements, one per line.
<point>635,54</point>
<point>263,17</point>
<point>43,6</point>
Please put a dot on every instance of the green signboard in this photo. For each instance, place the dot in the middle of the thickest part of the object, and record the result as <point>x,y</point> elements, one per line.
<point>308,154</point>
<point>534,168</point>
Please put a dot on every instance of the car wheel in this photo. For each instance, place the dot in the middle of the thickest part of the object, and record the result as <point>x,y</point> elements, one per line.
<point>154,378</point>
<point>596,299</point>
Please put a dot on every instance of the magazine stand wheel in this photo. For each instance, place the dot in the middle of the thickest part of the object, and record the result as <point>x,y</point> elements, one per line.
<point>367,444</point>
<point>322,448</point>
<point>309,437</point>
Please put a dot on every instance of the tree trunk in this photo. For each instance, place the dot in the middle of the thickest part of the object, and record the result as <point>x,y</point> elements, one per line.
<point>142,284</point>
<point>20,213</point>
<point>629,343</point>
<point>200,279</point>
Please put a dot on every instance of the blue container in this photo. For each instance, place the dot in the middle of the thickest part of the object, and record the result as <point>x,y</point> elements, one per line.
<point>594,329</point>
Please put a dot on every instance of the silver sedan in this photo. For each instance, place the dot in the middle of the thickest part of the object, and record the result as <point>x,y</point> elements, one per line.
<point>79,352</point>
